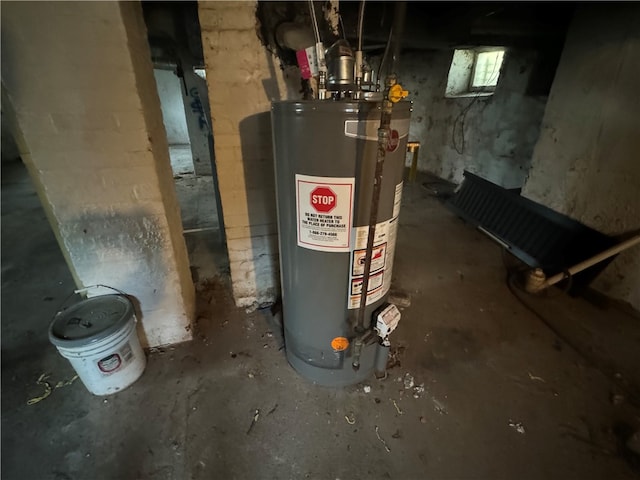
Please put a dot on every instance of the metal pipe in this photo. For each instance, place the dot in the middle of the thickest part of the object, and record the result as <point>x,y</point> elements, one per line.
<point>197,230</point>
<point>383,140</point>
<point>384,59</point>
<point>358,60</point>
<point>322,63</point>
<point>357,351</point>
<point>494,238</point>
<point>344,32</point>
<point>314,20</point>
<point>360,24</point>
<point>398,28</point>
<point>593,260</point>
<point>382,355</point>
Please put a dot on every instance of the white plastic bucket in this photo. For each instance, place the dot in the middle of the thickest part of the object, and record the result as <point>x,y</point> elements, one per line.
<point>98,336</point>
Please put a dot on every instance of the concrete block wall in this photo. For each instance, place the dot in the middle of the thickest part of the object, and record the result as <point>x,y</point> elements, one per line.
<point>585,163</point>
<point>80,82</point>
<point>500,130</point>
<point>243,79</point>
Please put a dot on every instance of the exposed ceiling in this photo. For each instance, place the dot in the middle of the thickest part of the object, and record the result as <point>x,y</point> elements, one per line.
<point>428,25</point>
<point>173,30</point>
<point>435,25</point>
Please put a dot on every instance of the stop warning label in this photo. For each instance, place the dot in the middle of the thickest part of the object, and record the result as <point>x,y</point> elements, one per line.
<point>324,211</point>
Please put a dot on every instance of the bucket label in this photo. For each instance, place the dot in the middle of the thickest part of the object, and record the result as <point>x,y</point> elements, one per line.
<point>115,361</point>
<point>110,364</point>
<point>384,246</point>
<point>324,212</point>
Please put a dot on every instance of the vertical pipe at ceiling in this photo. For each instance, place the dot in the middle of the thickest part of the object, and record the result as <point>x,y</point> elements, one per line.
<point>358,62</point>
<point>362,330</point>
<point>360,24</point>
<point>398,29</point>
<point>314,20</point>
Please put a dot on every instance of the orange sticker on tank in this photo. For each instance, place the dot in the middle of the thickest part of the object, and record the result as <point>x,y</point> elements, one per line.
<point>340,344</point>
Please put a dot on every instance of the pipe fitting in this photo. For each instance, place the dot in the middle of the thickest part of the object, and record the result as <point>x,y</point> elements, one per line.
<point>535,281</point>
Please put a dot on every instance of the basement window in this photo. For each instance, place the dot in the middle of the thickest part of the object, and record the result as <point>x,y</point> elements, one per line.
<point>474,72</point>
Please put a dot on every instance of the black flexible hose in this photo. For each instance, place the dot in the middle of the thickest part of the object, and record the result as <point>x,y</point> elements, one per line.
<point>632,395</point>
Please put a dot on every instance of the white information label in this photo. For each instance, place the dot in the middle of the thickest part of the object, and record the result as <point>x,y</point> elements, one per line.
<point>324,212</point>
<point>397,200</point>
<point>375,282</point>
<point>378,257</point>
<point>384,246</point>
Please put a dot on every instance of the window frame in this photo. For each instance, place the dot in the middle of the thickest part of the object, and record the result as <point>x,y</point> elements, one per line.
<point>462,70</point>
<point>476,53</point>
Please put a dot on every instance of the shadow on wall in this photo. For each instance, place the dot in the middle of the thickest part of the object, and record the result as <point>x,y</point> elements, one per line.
<point>126,252</point>
<point>256,259</point>
<point>260,265</point>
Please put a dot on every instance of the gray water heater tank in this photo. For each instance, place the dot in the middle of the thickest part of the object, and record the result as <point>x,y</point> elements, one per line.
<point>325,156</point>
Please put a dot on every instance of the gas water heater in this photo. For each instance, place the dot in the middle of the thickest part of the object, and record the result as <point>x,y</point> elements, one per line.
<point>339,163</point>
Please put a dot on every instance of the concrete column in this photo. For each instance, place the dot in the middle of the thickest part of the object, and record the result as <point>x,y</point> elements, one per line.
<point>243,78</point>
<point>80,81</point>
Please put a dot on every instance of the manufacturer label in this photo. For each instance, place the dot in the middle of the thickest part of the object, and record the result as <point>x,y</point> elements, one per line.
<point>115,361</point>
<point>394,141</point>
<point>110,364</point>
<point>324,211</point>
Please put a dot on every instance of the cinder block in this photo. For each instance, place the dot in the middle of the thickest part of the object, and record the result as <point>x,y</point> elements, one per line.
<point>236,233</point>
<point>123,207</point>
<point>222,125</point>
<point>244,249</point>
<point>238,67</point>
<point>231,40</point>
<point>64,122</point>
<point>251,287</point>
<point>215,5</point>
<point>229,140</point>
<point>145,192</point>
<point>233,17</point>
<point>252,176</point>
<point>127,121</point>
<point>226,155</point>
<point>42,123</point>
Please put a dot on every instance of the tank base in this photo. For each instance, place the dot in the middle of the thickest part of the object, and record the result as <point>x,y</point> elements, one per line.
<point>336,377</point>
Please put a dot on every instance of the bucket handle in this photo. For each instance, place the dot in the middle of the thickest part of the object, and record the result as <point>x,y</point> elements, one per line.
<point>62,307</point>
<point>97,285</point>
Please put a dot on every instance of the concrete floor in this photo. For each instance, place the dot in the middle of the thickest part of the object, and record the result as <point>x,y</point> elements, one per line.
<point>489,365</point>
